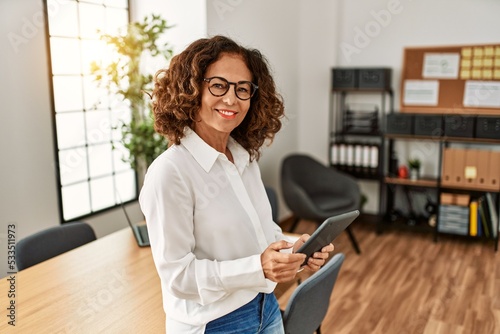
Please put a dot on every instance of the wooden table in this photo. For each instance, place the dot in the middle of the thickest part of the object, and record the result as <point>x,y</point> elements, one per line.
<point>107,286</point>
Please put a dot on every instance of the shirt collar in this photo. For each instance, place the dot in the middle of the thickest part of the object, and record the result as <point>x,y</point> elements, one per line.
<point>206,155</point>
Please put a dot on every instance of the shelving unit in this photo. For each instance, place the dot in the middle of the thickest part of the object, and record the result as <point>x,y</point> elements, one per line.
<point>359,139</point>
<point>436,184</point>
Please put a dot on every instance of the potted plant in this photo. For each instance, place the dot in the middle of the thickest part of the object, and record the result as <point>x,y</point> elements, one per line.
<point>414,165</point>
<point>125,77</point>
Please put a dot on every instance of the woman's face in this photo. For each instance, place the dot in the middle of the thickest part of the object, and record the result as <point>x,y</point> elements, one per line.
<point>223,114</point>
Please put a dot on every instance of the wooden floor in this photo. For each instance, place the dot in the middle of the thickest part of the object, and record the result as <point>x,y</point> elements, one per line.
<point>405,283</point>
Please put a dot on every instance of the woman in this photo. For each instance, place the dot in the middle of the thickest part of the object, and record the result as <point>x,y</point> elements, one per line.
<point>218,253</point>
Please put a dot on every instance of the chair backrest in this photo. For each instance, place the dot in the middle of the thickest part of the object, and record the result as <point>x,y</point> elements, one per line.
<point>273,199</point>
<point>303,171</point>
<point>314,191</point>
<point>51,242</point>
<point>309,302</point>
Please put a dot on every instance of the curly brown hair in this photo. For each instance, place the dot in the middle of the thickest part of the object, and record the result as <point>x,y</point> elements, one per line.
<point>177,94</point>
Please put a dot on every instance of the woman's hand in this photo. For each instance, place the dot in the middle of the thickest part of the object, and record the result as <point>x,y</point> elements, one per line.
<point>280,267</point>
<point>318,259</point>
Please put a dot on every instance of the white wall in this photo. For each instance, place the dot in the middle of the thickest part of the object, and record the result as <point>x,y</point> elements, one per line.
<point>272,27</point>
<point>28,192</point>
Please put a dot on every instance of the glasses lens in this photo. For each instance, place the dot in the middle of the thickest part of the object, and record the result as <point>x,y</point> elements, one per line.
<point>218,86</point>
<point>244,90</point>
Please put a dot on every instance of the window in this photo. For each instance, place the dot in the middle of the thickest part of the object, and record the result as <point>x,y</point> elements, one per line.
<point>92,175</point>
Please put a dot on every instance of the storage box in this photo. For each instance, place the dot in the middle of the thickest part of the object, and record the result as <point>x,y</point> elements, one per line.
<point>447,199</point>
<point>459,126</point>
<point>400,124</point>
<point>374,78</point>
<point>462,200</point>
<point>344,78</point>
<point>428,125</point>
<point>488,127</point>
<point>450,202</point>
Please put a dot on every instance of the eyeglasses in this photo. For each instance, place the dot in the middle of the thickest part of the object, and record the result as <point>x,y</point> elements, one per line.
<point>218,86</point>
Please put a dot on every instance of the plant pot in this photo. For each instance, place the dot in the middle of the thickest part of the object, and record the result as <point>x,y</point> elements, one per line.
<point>414,174</point>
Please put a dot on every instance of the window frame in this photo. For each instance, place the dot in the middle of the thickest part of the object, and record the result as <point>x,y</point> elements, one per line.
<point>87,181</point>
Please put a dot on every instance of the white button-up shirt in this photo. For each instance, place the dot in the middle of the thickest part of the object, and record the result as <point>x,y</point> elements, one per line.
<point>209,220</point>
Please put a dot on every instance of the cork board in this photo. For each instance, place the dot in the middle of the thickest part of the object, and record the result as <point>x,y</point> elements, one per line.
<point>451,80</point>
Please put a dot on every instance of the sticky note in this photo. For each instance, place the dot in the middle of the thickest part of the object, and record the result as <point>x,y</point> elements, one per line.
<point>489,51</point>
<point>465,63</point>
<point>496,74</point>
<point>465,74</point>
<point>470,172</point>
<point>478,52</point>
<point>488,62</point>
<point>497,51</point>
<point>487,74</point>
<point>497,62</point>
<point>466,52</point>
<point>477,62</point>
<point>476,74</point>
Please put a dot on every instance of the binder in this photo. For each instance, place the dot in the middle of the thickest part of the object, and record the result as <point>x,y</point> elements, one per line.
<point>473,218</point>
<point>483,159</point>
<point>373,159</point>
<point>366,158</point>
<point>358,157</point>
<point>447,163</point>
<point>342,156</point>
<point>470,168</point>
<point>493,215</point>
<point>458,167</point>
<point>334,159</point>
<point>493,179</point>
<point>350,157</point>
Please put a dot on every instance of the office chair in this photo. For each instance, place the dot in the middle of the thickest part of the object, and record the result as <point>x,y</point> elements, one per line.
<point>273,199</point>
<point>309,302</point>
<point>313,191</point>
<point>51,242</point>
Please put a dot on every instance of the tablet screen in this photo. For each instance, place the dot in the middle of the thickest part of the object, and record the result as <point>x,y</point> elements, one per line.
<point>327,232</point>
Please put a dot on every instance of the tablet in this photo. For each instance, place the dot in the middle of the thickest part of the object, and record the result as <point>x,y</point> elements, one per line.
<point>326,233</point>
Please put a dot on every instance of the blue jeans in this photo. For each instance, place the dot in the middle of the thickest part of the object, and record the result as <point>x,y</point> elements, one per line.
<point>260,316</point>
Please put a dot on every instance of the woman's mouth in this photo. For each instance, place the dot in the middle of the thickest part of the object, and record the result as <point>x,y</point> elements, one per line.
<point>227,114</point>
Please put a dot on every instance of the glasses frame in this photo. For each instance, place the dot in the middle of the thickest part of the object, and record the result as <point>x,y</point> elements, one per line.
<point>229,83</point>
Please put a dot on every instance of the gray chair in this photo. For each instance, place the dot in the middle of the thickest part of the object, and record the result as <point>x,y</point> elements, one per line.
<point>273,200</point>
<point>51,242</point>
<point>309,302</point>
<point>313,191</point>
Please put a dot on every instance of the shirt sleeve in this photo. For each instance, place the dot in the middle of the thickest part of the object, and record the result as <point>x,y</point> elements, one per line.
<point>168,203</point>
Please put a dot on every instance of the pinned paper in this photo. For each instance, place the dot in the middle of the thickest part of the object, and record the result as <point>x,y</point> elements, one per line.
<point>441,65</point>
<point>421,92</point>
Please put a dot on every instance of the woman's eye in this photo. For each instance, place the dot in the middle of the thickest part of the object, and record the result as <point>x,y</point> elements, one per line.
<point>219,86</point>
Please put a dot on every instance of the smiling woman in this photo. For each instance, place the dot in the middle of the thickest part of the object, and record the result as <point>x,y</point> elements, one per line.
<point>213,238</point>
